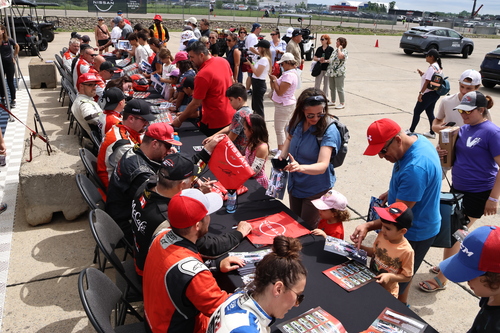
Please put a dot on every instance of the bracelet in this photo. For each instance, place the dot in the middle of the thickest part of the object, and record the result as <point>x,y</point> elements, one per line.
<point>421,93</point>
<point>493,199</point>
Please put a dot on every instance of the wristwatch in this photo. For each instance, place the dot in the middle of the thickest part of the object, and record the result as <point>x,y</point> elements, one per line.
<point>421,93</point>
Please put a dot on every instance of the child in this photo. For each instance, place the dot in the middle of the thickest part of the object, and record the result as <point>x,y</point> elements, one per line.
<point>237,95</point>
<point>257,148</point>
<point>187,86</point>
<point>172,80</point>
<point>392,254</point>
<point>478,263</point>
<point>166,58</point>
<point>332,212</point>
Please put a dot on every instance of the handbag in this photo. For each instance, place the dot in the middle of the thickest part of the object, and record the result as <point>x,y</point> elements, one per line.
<point>452,218</point>
<point>276,70</point>
<point>316,69</point>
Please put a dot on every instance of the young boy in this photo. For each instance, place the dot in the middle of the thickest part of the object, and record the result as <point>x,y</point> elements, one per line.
<point>237,95</point>
<point>187,86</point>
<point>333,211</point>
<point>478,263</point>
<point>392,254</point>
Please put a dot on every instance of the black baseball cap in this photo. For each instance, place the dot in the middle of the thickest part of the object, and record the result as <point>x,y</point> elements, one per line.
<point>141,108</point>
<point>188,82</point>
<point>112,96</point>
<point>177,166</point>
<point>107,66</point>
<point>296,32</point>
<point>263,43</point>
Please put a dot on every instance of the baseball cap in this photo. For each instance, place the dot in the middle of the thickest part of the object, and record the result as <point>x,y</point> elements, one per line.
<point>255,26</point>
<point>85,38</point>
<point>117,20</point>
<point>472,100</point>
<point>162,132</point>
<point>192,20</point>
<point>263,43</point>
<point>112,96</point>
<point>190,206</point>
<point>296,32</point>
<point>286,57</point>
<point>107,66</point>
<point>86,77</point>
<point>177,166</point>
<point>398,213</point>
<point>470,74</point>
<point>191,41</point>
<point>478,254</point>
<point>378,133</point>
<point>432,52</point>
<point>75,34</point>
<point>141,108</point>
<point>331,200</point>
<point>158,17</point>
<point>188,82</point>
<point>289,32</point>
<point>179,56</point>
<point>176,72</point>
<point>100,18</point>
<point>119,12</point>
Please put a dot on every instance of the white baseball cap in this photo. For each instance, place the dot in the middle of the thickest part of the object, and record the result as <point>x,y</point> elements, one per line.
<point>470,74</point>
<point>286,57</point>
<point>192,20</point>
<point>331,200</point>
<point>289,32</point>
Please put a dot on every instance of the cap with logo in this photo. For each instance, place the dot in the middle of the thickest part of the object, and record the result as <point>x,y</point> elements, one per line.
<point>289,32</point>
<point>296,32</point>
<point>255,26</point>
<point>177,166</point>
<point>107,66</point>
<point>478,254</point>
<point>398,213</point>
<point>472,100</point>
<point>162,132</point>
<point>378,133</point>
<point>331,200</point>
<point>190,206</point>
<point>87,77</point>
<point>112,96</point>
<point>139,107</point>
<point>471,74</point>
<point>187,35</point>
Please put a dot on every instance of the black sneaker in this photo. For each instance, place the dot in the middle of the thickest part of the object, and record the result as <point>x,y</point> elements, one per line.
<point>13,104</point>
<point>249,92</point>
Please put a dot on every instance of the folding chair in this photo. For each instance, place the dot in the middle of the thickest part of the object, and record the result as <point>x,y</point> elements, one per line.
<point>105,305</point>
<point>108,235</point>
<point>89,161</point>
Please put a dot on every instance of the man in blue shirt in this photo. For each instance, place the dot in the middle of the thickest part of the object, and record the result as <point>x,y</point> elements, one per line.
<point>415,181</point>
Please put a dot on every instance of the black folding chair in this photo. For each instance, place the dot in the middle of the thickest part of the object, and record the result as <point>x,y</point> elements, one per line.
<point>89,161</point>
<point>108,235</point>
<point>105,305</point>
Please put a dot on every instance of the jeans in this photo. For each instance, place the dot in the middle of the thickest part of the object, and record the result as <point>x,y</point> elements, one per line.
<point>428,103</point>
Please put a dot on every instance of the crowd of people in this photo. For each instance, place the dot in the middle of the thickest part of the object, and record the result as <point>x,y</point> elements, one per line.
<point>165,214</point>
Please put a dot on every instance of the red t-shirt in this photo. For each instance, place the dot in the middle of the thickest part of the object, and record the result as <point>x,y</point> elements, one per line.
<point>335,229</point>
<point>210,85</point>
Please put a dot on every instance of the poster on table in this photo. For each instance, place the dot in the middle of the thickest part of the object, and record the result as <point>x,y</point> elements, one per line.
<point>390,321</point>
<point>228,165</point>
<point>350,275</point>
<point>264,229</point>
<point>315,320</point>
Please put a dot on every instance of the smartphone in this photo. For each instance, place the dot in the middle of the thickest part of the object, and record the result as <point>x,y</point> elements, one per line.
<point>279,164</point>
<point>451,123</point>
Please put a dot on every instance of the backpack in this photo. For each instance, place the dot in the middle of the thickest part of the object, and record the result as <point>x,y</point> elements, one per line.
<point>337,159</point>
<point>439,83</point>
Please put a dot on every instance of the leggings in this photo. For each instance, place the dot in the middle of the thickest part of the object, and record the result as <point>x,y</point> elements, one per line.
<point>428,103</point>
<point>9,71</point>
<point>259,88</point>
<point>337,85</point>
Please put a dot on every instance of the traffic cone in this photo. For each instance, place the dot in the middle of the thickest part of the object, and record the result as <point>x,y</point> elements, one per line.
<point>376,43</point>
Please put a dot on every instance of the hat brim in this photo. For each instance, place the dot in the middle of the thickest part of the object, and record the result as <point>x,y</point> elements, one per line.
<point>111,106</point>
<point>374,149</point>
<point>320,204</point>
<point>465,107</point>
<point>215,201</point>
<point>384,214</point>
<point>455,271</point>
<point>174,142</point>
<point>149,117</point>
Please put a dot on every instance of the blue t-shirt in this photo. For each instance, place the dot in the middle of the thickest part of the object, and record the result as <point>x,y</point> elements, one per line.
<point>417,177</point>
<point>475,169</point>
<point>304,148</point>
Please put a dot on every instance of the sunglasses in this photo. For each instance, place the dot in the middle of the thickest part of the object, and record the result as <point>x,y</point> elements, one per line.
<point>312,115</point>
<point>463,111</point>
<point>229,40</point>
<point>211,37</point>
<point>300,297</point>
<point>273,34</point>
<point>322,39</point>
<point>384,150</point>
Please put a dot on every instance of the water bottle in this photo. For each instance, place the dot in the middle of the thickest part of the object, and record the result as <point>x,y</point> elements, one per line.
<point>177,138</point>
<point>231,201</point>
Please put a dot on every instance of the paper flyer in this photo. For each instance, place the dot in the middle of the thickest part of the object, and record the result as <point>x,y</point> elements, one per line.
<point>350,275</point>
<point>345,249</point>
<point>315,320</point>
<point>390,321</point>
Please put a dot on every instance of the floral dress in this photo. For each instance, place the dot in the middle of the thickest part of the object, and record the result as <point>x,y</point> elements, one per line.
<point>336,67</point>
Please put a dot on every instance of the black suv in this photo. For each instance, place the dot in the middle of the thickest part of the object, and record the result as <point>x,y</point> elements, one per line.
<point>490,68</point>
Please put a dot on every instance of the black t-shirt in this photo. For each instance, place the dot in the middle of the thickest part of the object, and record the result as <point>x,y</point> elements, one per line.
<point>487,320</point>
<point>328,53</point>
<point>6,49</point>
<point>215,49</point>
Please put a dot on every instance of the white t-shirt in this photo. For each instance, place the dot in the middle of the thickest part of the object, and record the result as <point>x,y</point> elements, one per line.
<point>251,41</point>
<point>116,34</point>
<point>265,73</point>
<point>428,75</point>
<point>446,112</point>
<point>142,52</point>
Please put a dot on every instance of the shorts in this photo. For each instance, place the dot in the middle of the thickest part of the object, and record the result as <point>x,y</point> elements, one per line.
<point>102,42</point>
<point>474,202</point>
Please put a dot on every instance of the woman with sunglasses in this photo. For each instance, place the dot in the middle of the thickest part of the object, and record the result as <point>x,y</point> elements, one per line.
<point>427,98</point>
<point>311,174</point>
<point>233,56</point>
<point>278,46</point>
<point>260,71</point>
<point>475,170</point>
<point>336,72</point>
<point>323,54</point>
<point>280,280</point>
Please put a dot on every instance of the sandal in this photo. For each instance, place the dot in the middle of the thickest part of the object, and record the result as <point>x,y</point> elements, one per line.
<point>430,285</point>
<point>434,269</point>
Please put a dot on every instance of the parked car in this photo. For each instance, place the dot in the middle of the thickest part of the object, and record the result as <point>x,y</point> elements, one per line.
<point>445,40</point>
<point>490,68</point>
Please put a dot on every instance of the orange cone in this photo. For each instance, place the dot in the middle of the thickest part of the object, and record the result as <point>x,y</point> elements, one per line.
<point>376,43</point>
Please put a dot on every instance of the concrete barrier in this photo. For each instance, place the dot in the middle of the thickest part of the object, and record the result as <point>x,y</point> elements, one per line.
<point>485,30</point>
<point>42,73</point>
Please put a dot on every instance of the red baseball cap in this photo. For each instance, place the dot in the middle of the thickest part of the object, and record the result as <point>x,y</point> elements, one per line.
<point>162,132</point>
<point>158,17</point>
<point>86,77</point>
<point>398,213</point>
<point>190,206</point>
<point>379,133</point>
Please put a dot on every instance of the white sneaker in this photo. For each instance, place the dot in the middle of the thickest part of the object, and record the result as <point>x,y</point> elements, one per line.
<point>331,103</point>
<point>340,106</point>
<point>407,132</point>
<point>430,135</point>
